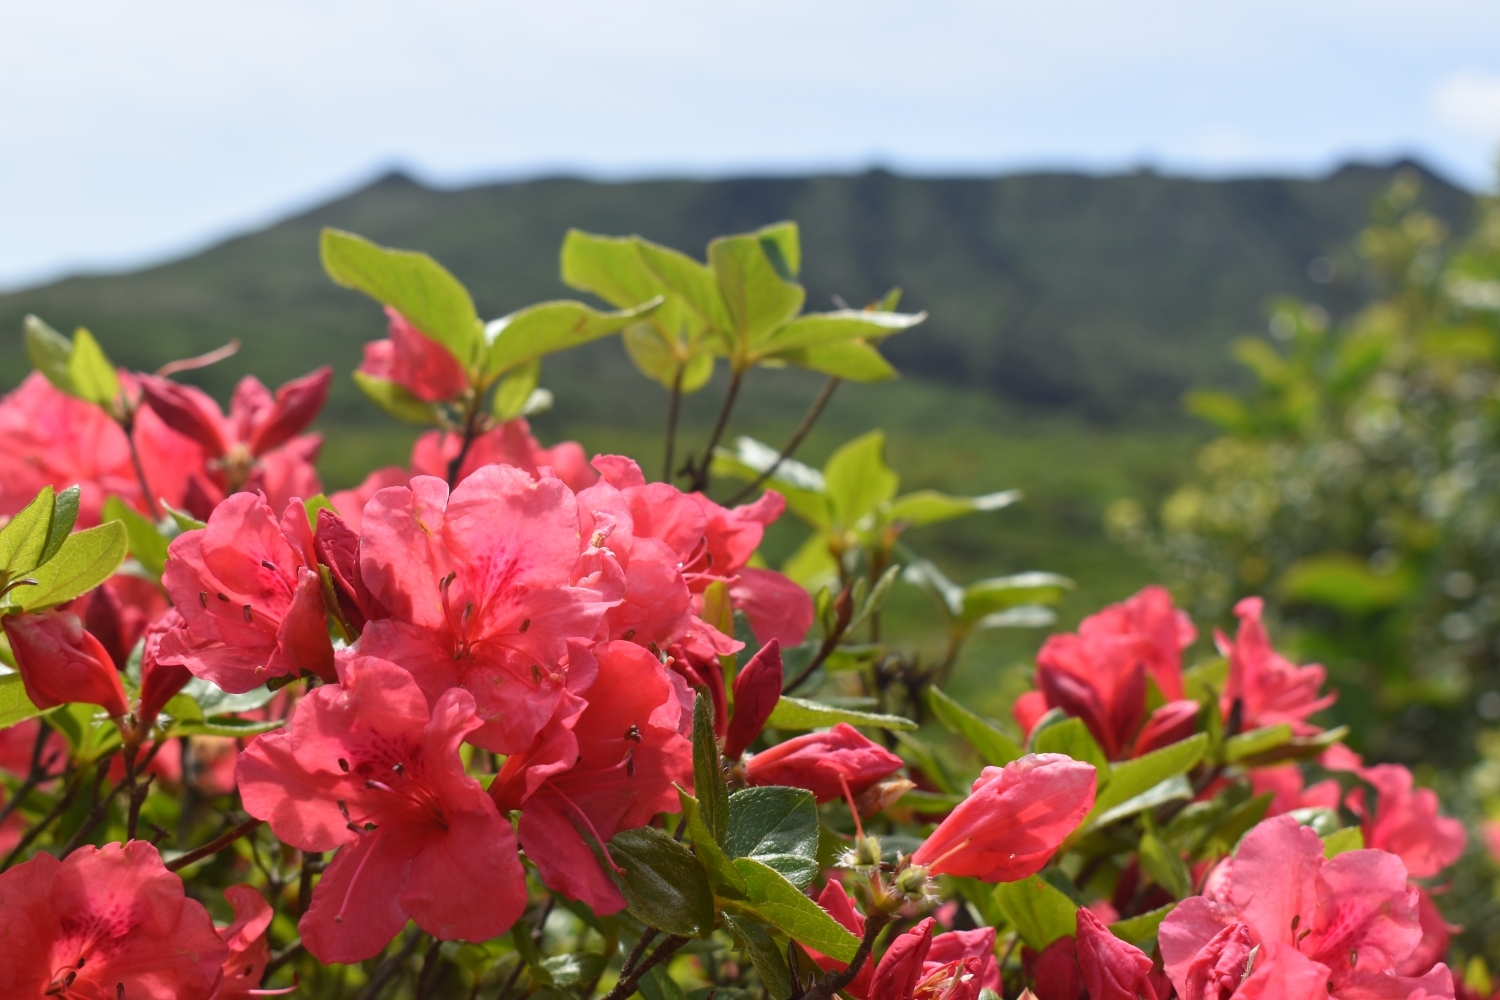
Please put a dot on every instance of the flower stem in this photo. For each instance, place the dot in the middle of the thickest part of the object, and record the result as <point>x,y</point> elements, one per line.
<point>701,466</point>
<point>674,406</point>
<point>793,443</point>
<point>214,846</point>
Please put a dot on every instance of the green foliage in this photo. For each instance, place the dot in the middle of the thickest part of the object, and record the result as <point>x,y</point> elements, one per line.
<point>802,713</point>
<point>14,705</point>
<point>785,907</point>
<point>777,827</point>
<point>662,882</point>
<point>1038,910</point>
<point>994,747</point>
<point>83,561</point>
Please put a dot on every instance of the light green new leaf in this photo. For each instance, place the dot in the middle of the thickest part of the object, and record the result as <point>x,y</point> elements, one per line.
<point>785,907</point>
<point>1004,593</point>
<point>857,478</point>
<point>722,874</point>
<point>782,244</point>
<point>225,725</point>
<point>1164,865</point>
<point>1140,929</point>
<point>779,828</point>
<point>1175,789</point>
<point>418,287</point>
<point>801,713</point>
<point>816,329</point>
<point>395,399</point>
<point>65,507</point>
<point>995,748</point>
<point>931,507</point>
<point>25,536</point>
<point>1351,838</point>
<point>1071,738</point>
<point>49,351</point>
<point>663,883</point>
<point>853,360</point>
<point>1134,777</point>
<point>1040,912</point>
<point>608,266</point>
<point>1256,741</point>
<point>548,327</point>
<point>690,281</point>
<point>758,299</point>
<point>85,560</point>
<point>1296,748</point>
<point>515,389</point>
<point>802,487</point>
<point>89,369</point>
<point>14,705</point>
<point>146,543</point>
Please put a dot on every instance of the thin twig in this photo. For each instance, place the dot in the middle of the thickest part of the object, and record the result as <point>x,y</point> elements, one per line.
<point>430,962</point>
<point>311,865</point>
<point>35,830</point>
<point>98,808</point>
<point>471,431</point>
<point>638,951</point>
<point>391,967</point>
<point>831,983</point>
<point>128,426</point>
<point>674,405</point>
<point>290,953</point>
<point>701,465</point>
<point>627,984</point>
<point>793,443</point>
<point>844,607</point>
<point>35,775</point>
<point>214,846</point>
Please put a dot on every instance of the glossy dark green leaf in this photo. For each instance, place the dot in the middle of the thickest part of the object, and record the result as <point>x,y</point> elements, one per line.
<point>993,746</point>
<point>779,828</point>
<point>722,874</point>
<point>1130,778</point>
<point>663,883</point>
<point>787,908</point>
<point>766,953</point>
<point>709,786</point>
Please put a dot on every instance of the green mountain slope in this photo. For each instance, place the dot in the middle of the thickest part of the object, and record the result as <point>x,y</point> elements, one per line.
<point>1105,296</point>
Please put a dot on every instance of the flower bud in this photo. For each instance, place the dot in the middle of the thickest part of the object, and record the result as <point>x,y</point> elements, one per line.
<point>911,882</point>
<point>61,662</point>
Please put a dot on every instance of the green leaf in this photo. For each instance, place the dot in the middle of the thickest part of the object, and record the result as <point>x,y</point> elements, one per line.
<point>24,537</point>
<point>225,725</point>
<point>708,773</point>
<point>765,954</point>
<point>93,377</point>
<point>1004,593</point>
<point>146,543</point>
<point>658,984</point>
<point>1165,866</point>
<point>515,390</point>
<point>783,248</point>
<point>995,748</point>
<point>1351,838</point>
<point>801,487</point>
<point>1142,928</point>
<point>395,399</point>
<point>779,828</point>
<point>689,280</point>
<point>49,351</point>
<point>1071,738</point>
<point>608,266</point>
<point>1174,789</point>
<point>85,560</point>
<point>663,883</point>
<point>64,516</point>
<point>858,480</point>
<point>1297,748</point>
<point>418,287</point>
<point>800,713</point>
<point>1256,741</point>
<point>1344,583</point>
<point>854,360</point>
<point>784,906</point>
<point>1131,778</point>
<point>931,507</point>
<point>548,327</point>
<point>1236,823</point>
<point>817,329</point>
<point>926,758</point>
<point>876,599</point>
<point>183,520</point>
<point>1040,911</point>
<point>758,299</point>
<point>574,969</point>
<point>725,879</point>
<point>14,705</point>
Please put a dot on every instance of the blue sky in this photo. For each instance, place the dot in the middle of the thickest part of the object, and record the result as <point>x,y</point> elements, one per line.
<point>134,132</point>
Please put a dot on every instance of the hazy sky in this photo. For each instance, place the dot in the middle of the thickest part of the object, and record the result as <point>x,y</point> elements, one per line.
<point>134,131</point>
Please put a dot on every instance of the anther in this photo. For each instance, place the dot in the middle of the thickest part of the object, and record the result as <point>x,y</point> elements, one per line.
<point>248,616</point>
<point>629,634</point>
<point>633,733</point>
<point>343,765</point>
<point>525,624</point>
<point>344,811</point>
<point>399,768</point>
<point>536,673</point>
<point>268,564</point>
<point>224,598</point>
<point>203,599</point>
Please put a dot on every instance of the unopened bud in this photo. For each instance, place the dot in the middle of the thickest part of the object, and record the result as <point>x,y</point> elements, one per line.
<point>911,883</point>
<point>865,853</point>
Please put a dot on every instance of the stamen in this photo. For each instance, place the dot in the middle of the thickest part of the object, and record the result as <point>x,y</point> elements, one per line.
<point>382,786</point>
<point>248,616</point>
<point>630,763</point>
<point>590,824</point>
<point>343,765</point>
<point>525,624</point>
<point>224,598</point>
<point>629,634</point>
<point>268,564</point>
<point>338,917</point>
<point>859,828</point>
<point>634,733</point>
<point>399,768</point>
<point>203,599</point>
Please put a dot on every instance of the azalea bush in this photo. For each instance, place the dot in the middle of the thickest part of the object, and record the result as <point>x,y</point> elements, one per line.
<point>524,721</point>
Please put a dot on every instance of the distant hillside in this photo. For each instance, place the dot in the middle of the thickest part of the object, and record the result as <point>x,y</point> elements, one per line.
<point>1101,296</point>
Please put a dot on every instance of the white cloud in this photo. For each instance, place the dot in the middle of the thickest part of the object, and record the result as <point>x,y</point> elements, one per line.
<point>1470,103</point>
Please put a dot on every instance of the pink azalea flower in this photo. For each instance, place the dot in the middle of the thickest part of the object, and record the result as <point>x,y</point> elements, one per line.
<point>255,447</point>
<point>351,503</point>
<point>1054,971</point>
<point>1406,821</point>
<point>414,361</point>
<point>907,970</point>
<point>247,587</point>
<point>1099,675</point>
<point>511,443</point>
<point>757,689</point>
<point>960,946</point>
<point>601,766</point>
<point>106,922</point>
<point>61,662</point>
<point>1286,785</point>
<point>1110,968</point>
<point>159,681</point>
<point>364,767</point>
<point>249,951</point>
<point>48,438</point>
<point>1012,821</point>
<point>1162,630</point>
<point>1268,688</point>
<point>484,588</point>
<point>834,899</point>
<point>823,762</point>
<point>1340,927</point>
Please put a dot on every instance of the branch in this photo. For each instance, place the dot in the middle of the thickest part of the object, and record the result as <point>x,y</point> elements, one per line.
<point>214,846</point>
<point>831,641</point>
<point>674,405</point>
<point>35,775</point>
<point>793,443</point>
<point>831,983</point>
<point>627,984</point>
<point>701,466</point>
<point>471,431</point>
<point>391,967</point>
